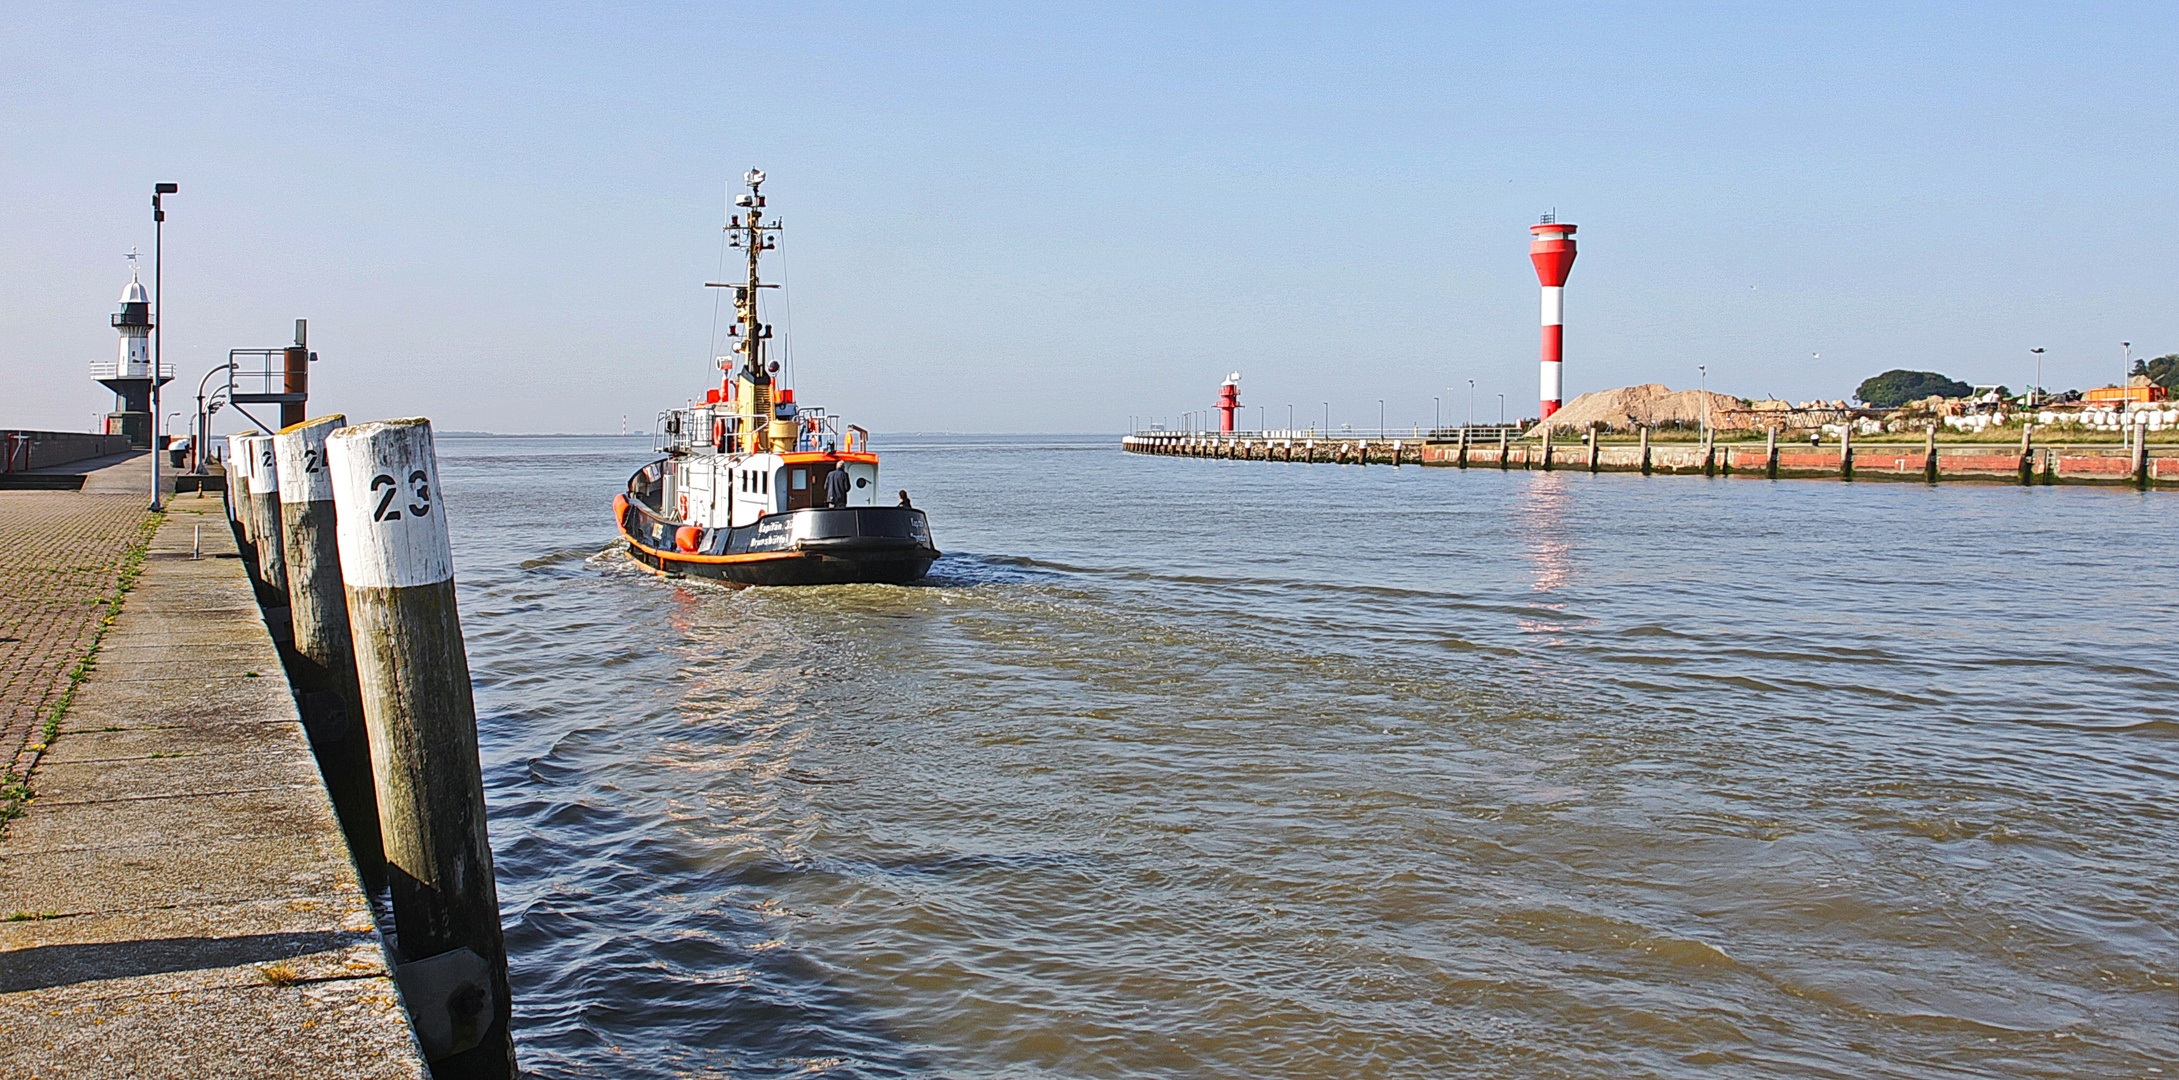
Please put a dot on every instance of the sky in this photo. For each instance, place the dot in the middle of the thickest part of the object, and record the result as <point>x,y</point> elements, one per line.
<point>1046,218</point>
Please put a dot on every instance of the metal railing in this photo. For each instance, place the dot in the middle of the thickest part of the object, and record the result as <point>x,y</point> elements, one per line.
<point>115,369</point>
<point>1450,434</point>
<point>815,429</point>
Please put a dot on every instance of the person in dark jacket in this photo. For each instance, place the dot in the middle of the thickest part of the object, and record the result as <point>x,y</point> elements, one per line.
<point>904,503</point>
<point>836,484</point>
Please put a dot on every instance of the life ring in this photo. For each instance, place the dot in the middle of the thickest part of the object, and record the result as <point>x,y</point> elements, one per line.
<point>684,507</point>
<point>718,434</point>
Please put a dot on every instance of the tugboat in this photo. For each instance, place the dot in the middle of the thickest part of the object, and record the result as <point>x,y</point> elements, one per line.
<point>756,489</point>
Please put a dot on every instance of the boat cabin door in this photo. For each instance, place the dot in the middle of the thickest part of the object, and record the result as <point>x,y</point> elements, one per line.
<point>806,484</point>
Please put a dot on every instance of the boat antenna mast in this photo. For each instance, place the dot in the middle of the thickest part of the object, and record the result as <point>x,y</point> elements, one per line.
<point>758,236</point>
<point>753,394</point>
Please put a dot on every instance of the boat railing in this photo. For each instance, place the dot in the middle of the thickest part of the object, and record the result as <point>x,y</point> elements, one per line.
<point>815,429</point>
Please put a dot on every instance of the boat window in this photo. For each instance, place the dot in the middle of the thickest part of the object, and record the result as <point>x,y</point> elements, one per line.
<point>765,481</point>
<point>798,479</point>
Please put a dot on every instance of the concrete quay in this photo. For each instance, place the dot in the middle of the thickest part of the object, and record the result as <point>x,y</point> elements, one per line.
<point>2042,464</point>
<point>177,896</point>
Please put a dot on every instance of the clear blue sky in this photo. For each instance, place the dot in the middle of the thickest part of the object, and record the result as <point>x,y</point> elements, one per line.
<point>1036,218</point>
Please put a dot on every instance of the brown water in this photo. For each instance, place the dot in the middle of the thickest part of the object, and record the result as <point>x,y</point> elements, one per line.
<point>1219,769</point>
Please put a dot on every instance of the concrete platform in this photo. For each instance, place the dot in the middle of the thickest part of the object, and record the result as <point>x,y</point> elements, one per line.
<point>178,897</point>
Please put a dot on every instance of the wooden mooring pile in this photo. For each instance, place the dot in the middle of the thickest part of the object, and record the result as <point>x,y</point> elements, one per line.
<point>346,541</point>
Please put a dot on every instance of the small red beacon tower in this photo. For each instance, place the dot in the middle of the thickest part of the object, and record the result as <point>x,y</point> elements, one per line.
<point>1229,399</point>
<point>1552,250</point>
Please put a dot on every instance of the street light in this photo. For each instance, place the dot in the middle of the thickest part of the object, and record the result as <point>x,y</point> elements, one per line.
<point>1471,402</point>
<point>1501,410</point>
<point>1289,419</point>
<point>1380,418</point>
<point>204,419</point>
<point>1437,414</point>
<point>1704,371</point>
<point>1327,418</point>
<point>2038,377</point>
<point>2129,347</point>
<point>158,323</point>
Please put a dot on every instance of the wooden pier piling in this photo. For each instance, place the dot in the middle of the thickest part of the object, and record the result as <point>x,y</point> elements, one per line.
<point>264,512</point>
<point>1770,452</point>
<point>1846,450</point>
<point>236,495</point>
<point>398,570</point>
<point>323,664</point>
<point>1929,454</point>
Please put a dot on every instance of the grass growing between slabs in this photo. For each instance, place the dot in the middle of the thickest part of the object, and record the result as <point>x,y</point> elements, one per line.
<point>15,786</point>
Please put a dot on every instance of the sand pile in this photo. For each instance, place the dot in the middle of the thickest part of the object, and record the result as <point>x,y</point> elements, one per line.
<point>1628,406</point>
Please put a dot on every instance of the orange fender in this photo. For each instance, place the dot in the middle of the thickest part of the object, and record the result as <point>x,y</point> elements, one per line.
<point>620,509</point>
<point>687,537</point>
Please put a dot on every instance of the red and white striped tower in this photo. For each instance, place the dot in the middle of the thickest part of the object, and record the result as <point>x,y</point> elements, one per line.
<point>1552,250</point>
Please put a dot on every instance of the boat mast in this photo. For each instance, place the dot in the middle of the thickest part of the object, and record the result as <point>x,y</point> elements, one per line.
<point>753,389</point>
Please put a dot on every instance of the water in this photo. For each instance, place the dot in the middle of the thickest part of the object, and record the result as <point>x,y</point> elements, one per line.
<point>1219,769</point>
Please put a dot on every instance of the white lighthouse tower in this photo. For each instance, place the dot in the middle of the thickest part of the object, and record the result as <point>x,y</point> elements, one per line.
<point>130,375</point>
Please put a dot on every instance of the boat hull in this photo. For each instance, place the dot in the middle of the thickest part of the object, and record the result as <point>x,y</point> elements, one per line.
<point>882,545</point>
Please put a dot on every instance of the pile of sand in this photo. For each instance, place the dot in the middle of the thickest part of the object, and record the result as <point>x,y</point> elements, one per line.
<point>1651,403</point>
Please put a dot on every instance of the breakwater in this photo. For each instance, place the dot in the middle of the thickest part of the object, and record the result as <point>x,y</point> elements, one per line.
<point>2136,464</point>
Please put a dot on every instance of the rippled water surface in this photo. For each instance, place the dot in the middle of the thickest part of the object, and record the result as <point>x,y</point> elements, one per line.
<point>1223,769</point>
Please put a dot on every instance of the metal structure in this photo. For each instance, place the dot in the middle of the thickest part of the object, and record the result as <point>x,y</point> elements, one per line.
<point>1552,250</point>
<point>289,365</point>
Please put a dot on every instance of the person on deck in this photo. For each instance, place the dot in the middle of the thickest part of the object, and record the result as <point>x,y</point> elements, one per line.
<point>904,503</point>
<point>836,486</point>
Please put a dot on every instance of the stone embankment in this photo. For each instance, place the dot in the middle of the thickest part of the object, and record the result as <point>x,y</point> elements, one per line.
<point>2035,465</point>
<point>178,897</point>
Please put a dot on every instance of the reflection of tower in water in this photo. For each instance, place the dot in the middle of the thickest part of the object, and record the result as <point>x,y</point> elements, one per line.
<point>1543,531</point>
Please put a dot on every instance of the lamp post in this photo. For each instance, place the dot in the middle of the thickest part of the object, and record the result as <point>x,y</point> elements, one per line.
<point>1703,370</point>
<point>1437,414</point>
<point>1327,418</point>
<point>212,406</point>
<point>1380,418</point>
<point>1471,402</point>
<point>1501,410</point>
<point>158,323</point>
<point>1289,419</point>
<point>2038,377</point>
<point>2128,380</point>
